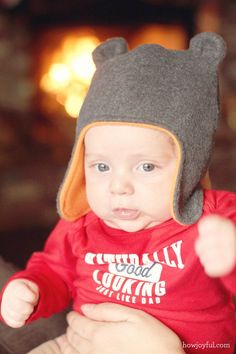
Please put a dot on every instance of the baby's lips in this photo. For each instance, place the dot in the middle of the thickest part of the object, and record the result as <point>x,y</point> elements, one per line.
<point>125,214</point>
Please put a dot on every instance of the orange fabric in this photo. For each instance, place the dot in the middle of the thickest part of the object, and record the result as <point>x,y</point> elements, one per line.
<point>72,197</point>
<point>206,182</point>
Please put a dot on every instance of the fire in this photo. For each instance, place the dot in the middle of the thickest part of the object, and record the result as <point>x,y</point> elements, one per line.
<point>70,72</point>
<point>68,69</point>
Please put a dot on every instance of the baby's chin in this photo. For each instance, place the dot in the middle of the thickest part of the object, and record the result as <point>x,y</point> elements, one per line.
<point>130,225</point>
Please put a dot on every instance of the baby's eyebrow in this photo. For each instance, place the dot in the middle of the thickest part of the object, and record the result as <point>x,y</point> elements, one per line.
<point>161,156</point>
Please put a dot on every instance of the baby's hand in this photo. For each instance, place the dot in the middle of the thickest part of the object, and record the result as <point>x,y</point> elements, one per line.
<point>216,245</point>
<point>18,301</point>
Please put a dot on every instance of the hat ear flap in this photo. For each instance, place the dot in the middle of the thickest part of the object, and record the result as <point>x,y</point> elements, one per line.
<point>210,46</point>
<point>109,49</point>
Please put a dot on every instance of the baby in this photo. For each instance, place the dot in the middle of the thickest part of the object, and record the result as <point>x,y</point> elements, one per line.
<point>139,226</point>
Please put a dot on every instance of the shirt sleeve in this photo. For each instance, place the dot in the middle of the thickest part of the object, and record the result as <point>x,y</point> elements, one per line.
<point>226,207</point>
<point>53,270</point>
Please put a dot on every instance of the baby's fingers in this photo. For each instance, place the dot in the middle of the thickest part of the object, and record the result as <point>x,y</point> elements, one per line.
<point>25,290</point>
<point>14,319</point>
<point>21,307</point>
<point>18,302</point>
<point>17,313</point>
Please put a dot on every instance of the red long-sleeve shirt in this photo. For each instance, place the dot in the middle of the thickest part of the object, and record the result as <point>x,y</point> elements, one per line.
<point>155,270</point>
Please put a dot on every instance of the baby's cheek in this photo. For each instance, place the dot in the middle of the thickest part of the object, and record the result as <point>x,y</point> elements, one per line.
<point>99,202</point>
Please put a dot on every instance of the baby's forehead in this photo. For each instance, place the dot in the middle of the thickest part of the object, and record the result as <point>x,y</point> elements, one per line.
<point>124,129</point>
<point>126,137</point>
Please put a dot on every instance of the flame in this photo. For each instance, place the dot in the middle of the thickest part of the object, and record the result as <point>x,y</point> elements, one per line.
<point>70,72</point>
<point>69,69</point>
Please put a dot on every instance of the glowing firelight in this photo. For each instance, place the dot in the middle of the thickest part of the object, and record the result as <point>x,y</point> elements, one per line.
<point>70,72</point>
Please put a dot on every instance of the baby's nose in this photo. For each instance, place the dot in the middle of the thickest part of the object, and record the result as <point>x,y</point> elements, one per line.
<point>121,185</point>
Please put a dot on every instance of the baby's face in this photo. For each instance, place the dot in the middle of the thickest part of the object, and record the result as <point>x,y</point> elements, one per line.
<point>129,173</point>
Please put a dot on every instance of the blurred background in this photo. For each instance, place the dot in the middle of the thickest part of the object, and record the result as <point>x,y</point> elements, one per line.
<point>45,70</point>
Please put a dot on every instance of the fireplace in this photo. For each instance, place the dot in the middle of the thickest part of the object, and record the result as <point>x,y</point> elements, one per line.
<point>65,66</point>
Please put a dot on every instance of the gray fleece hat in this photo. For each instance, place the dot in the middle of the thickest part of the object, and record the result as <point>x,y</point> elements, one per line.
<point>175,91</point>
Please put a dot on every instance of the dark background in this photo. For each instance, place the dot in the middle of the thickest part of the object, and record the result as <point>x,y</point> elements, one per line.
<point>35,142</point>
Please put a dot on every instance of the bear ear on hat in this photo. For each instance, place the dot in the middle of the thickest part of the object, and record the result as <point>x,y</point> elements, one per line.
<point>210,46</point>
<point>109,49</point>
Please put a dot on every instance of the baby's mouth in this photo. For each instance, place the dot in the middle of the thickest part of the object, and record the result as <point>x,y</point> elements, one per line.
<point>125,214</point>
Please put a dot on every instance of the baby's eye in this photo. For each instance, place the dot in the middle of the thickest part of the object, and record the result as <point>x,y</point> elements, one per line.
<point>102,167</point>
<point>146,167</point>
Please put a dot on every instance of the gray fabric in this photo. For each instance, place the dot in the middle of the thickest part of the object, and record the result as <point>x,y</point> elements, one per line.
<point>175,90</point>
<point>20,341</point>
